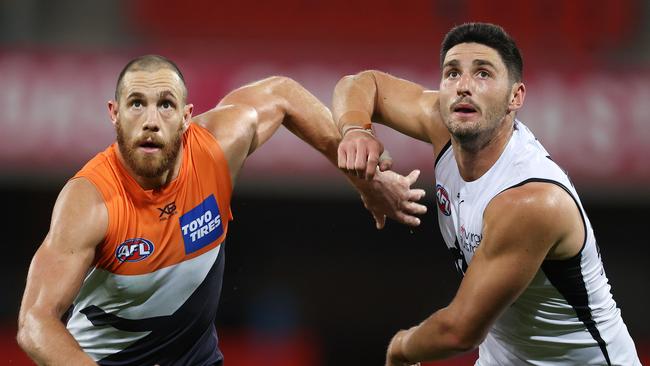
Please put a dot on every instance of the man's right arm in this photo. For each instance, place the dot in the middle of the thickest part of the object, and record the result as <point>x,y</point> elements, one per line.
<point>79,223</point>
<point>397,103</point>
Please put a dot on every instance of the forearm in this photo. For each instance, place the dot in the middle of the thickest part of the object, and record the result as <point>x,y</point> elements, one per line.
<point>353,102</point>
<point>309,119</point>
<point>435,338</point>
<point>48,342</point>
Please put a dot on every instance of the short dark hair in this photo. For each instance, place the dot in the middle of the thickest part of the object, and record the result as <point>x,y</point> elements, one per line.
<point>489,35</point>
<point>149,63</point>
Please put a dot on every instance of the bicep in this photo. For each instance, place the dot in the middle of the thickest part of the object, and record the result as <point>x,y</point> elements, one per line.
<point>248,116</point>
<point>57,270</point>
<point>409,108</point>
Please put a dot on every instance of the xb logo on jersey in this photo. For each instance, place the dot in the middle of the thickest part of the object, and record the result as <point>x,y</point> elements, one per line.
<point>134,250</point>
<point>168,210</point>
<point>442,197</point>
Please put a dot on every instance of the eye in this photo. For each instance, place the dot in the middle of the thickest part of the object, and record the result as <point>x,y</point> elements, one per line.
<point>453,74</point>
<point>136,103</point>
<point>483,74</point>
<point>166,104</point>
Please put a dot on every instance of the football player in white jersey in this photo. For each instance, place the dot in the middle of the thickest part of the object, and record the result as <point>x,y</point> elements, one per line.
<point>533,292</point>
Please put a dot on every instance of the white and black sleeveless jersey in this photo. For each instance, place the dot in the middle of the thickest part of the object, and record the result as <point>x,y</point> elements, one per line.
<point>567,315</point>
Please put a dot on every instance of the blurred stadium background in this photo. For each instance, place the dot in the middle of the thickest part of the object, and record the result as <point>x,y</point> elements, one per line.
<point>309,281</point>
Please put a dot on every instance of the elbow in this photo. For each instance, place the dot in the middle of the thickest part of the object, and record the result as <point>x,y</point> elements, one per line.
<point>464,342</point>
<point>463,337</point>
<point>23,336</point>
<point>278,82</point>
<point>366,75</point>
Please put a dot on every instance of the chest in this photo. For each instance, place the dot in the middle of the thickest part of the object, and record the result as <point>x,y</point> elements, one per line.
<point>148,235</point>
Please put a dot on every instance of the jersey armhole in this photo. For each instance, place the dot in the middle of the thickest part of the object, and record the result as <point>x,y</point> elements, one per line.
<point>442,152</point>
<point>217,155</point>
<point>111,222</point>
<point>582,215</point>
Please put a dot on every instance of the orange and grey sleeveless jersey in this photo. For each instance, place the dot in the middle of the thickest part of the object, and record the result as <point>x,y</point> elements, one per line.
<point>567,315</point>
<point>151,296</point>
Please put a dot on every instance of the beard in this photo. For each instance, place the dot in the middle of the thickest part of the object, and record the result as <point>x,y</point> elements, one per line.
<point>479,131</point>
<point>149,165</point>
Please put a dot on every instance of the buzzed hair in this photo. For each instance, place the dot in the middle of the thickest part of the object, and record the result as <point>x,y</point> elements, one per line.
<point>149,63</point>
<point>489,35</point>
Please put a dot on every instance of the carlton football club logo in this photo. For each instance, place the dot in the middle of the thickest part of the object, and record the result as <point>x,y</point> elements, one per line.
<point>443,200</point>
<point>134,250</point>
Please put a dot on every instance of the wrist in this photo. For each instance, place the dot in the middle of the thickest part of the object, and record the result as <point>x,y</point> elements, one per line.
<point>354,119</point>
<point>365,129</point>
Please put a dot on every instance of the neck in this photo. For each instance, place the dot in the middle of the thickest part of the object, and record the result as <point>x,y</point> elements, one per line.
<point>476,157</point>
<point>154,182</point>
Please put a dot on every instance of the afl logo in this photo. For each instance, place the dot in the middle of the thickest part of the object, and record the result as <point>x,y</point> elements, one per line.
<point>134,250</point>
<point>443,200</point>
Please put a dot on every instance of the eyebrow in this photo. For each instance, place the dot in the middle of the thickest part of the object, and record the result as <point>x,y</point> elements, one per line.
<point>483,63</point>
<point>167,93</point>
<point>135,95</point>
<point>163,94</point>
<point>451,63</point>
<point>477,62</point>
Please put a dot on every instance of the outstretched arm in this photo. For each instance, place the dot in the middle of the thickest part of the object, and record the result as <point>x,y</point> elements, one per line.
<point>397,103</point>
<point>79,222</point>
<point>248,117</point>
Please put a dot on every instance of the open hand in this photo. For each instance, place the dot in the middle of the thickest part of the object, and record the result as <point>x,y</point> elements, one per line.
<point>390,195</point>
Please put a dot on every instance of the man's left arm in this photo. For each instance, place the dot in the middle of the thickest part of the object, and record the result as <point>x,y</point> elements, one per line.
<point>248,116</point>
<point>520,227</point>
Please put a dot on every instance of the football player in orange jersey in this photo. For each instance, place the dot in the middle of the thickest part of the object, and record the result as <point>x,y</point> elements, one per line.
<point>145,290</point>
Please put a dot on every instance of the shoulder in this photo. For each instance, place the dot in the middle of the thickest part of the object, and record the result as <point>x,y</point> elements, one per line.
<point>80,214</point>
<point>227,121</point>
<point>537,212</point>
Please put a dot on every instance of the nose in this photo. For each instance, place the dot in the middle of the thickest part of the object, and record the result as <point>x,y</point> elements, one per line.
<point>152,120</point>
<point>463,86</point>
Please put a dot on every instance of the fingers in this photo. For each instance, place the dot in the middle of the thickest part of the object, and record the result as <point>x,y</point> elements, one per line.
<point>358,154</point>
<point>342,157</point>
<point>380,221</point>
<point>371,166</point>
<point>385,164</point>
<point>413,176</point>
<point>415,194</point>
<point>360,161</point>
<point>413,208</point>
<point>406,219</point>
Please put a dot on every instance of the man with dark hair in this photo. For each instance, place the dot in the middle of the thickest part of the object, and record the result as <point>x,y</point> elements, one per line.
<point>534,291</point>
<point>137,235</point>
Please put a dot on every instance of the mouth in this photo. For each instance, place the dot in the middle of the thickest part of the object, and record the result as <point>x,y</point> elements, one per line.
<point>149,146</point>
<point>464,109</point>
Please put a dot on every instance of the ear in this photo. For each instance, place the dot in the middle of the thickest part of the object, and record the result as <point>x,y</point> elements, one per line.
<point>112,111</point>
<point>187,115</point>
<point>517,96</point>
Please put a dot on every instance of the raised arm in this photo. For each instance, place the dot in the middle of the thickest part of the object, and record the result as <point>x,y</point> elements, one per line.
<point>397,103</point>
<point>522,227</point>
<point>79,222</point>
<point>248,117</point>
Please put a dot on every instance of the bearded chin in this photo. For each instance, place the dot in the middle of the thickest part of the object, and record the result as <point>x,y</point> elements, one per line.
<point>149,166</point>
